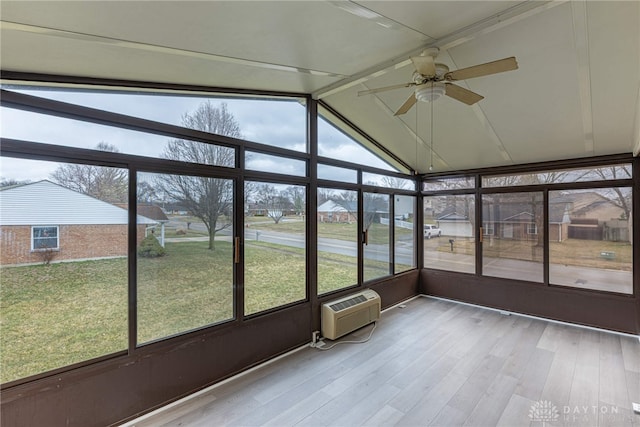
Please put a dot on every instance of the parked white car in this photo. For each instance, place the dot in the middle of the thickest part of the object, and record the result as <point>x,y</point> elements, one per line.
<point>431,231</point>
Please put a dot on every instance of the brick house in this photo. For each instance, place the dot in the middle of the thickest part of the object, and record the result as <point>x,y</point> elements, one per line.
<point>331,211</point>
<point>43,219</point>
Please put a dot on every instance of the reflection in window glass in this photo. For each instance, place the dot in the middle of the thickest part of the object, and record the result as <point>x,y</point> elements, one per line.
<point>337,239</point>
<point>404,248</point>
<point>76,133</point>
<point>276,164</point>
<point>63,298</point>
<point>590,239</point>
<point>603,173</point>
<point>274,245</point>
<point>449,233</point>
<point>44,238</point>
<point>512,251</point>
<point>438,184</point>
<point>185,253</point>
<point>277,122</point>
<point>334,173</point>
<point>387,181</point>
<point>377,242</point>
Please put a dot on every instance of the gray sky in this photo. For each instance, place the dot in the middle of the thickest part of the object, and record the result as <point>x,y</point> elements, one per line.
<point>275,123</point>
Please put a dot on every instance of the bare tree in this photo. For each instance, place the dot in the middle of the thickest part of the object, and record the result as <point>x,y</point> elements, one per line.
<point>621,197</point>
<point>348,200</point>
<point>9,182</point>
<point>146,193</point>
<point>104,183</point>
<point>324,194</point>
<point>395,182</point>
<point>296,195</point>
<point>374,205</point>
<point>209,199</point>
<point>274,201</point>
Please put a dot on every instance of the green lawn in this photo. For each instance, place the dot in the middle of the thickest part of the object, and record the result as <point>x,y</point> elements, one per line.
<point>58,314</point>
<point>188,288</point>
<point>63,313</point>
<point>577,252</point>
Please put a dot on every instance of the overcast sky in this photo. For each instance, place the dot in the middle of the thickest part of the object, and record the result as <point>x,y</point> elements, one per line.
<point>276,123</point>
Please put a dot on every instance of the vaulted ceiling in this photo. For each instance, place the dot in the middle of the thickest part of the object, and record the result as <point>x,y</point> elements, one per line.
<point>576,92</point>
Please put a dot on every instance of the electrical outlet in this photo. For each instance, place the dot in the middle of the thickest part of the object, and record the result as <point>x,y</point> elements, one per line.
<point>315,337</point>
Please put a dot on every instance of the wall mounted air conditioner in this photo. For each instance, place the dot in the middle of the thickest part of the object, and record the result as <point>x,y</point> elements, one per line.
<point>344,315</point>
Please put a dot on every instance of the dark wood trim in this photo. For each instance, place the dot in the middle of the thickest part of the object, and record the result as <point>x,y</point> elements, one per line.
<point>537,166</point>
<point>583,307</point>
<point>636,238</point>
<point>312,209</point>
<point>132,262</point>
<point>127,86</point>
<point>60,153</point>
<point>398,288</point>
<point>356,166</point>
<point>123,387</point>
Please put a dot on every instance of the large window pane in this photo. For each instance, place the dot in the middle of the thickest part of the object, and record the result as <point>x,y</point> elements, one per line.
<point>63,233</point>
<point>334,173</point>
<point>279,122</point>
<point>513,236</point>
<point>590,239</point>
<point>602,173</point>
<point>449,233</point>
<point>275,245</point>
<point>404,247</point>
<point>388,181</point>
<point>18,124</point>
<point>437,184</point>
<point>276,164</point>
<point>337,140</point>
<point>377,242</point>
<point>185,253</point>
<point>337,239</point>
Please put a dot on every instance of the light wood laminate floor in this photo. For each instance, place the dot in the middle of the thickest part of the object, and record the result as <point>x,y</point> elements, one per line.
<point>440,363</point>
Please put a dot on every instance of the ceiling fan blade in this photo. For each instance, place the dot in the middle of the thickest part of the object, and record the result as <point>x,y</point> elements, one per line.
<point>382,89</point>
<point>424,65</point>
<point>407,105</point>
<point>462,94</point>
<point>499,66</point>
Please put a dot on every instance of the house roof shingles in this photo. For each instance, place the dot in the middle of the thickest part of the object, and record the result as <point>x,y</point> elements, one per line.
<point>47,203</point>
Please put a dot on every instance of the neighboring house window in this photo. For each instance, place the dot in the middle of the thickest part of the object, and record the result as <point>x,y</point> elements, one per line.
<point>487,230</point>
<point>44,237</point>
<point>532,228</point>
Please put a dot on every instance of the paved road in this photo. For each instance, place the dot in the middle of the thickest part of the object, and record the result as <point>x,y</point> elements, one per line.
<point>404,253</point>
<point>612,280</point>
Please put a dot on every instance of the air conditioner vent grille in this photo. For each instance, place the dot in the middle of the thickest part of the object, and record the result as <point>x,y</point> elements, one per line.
<point>348,303</point>
<point>344,315</point>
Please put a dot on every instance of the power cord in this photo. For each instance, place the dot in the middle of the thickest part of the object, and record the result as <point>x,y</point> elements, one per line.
<point>350,342</point>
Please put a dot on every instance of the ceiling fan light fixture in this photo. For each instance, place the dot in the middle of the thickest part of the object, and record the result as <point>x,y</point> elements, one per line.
<point>430,92</point>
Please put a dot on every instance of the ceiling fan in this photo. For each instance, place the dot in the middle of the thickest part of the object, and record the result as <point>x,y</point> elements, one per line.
<point>433,80</point>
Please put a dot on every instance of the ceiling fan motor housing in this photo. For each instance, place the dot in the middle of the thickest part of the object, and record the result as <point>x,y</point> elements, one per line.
<point>430,92</point>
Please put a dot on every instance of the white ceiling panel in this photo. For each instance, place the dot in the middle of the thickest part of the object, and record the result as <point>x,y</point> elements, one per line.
<point>438,19</point>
